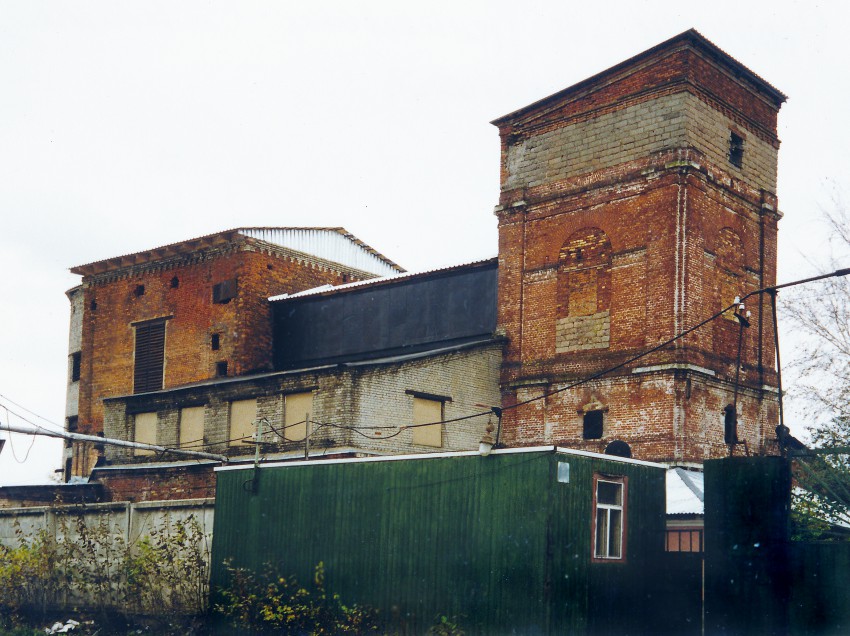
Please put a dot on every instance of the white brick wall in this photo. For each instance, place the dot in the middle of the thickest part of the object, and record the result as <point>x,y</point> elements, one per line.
<point>671,121</point>
<point>354,396</point>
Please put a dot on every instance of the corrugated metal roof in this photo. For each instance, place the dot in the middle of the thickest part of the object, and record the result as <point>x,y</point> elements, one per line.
<point>325,289</point>
<point>330,243</point>
<point>685,492</point>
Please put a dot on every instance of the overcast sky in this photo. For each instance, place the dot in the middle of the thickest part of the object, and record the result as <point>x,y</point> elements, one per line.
<point>128,125</point>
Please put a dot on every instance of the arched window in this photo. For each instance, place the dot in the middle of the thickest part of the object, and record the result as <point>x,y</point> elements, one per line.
<point>584,292</point>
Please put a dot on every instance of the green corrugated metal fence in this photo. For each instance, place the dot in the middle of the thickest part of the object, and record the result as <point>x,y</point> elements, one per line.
<point>496,541</point>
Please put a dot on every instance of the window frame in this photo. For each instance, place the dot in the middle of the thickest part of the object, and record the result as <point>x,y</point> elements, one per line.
<point>622,481</point>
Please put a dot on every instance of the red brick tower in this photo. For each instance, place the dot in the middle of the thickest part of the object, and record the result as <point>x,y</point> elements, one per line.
<point>634,205</point>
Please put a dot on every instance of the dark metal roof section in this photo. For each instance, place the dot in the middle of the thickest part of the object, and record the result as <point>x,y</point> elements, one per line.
<point>413,314</point>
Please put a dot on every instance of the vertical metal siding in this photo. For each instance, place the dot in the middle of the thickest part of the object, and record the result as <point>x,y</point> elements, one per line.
<point>496,540</point>
<point>324,243</point>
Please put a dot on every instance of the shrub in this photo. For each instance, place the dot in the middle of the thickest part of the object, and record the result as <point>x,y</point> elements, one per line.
<point>271,602</point>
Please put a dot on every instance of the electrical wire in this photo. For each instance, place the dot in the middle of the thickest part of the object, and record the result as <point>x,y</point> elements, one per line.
<point>41,417</point>
<point>11,444</point>
<point>595,376</point>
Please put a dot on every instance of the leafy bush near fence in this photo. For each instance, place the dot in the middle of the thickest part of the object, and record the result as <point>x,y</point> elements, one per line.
<point>85,563</point>
<point>268,602</point>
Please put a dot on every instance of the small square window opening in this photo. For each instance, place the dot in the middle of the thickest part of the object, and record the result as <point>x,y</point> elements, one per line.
<point>221,369</point>
<point>592,425</point>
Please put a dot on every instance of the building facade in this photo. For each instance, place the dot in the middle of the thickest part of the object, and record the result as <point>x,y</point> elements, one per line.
<point>195,310</point>
<point>635,205</point>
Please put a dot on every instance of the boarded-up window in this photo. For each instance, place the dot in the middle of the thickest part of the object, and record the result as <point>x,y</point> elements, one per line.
<point>426,412</point>
<point>297,407</point>
<point>144,432</point>
<point>150,356</point>
<point>191,427</point>
<point>243,416</point>
<point>684,540</point>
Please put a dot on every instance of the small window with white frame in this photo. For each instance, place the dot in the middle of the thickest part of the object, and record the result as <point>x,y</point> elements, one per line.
<point>609,518</point>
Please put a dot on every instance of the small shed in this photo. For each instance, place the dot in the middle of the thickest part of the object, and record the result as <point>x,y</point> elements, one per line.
<point>538,540</point>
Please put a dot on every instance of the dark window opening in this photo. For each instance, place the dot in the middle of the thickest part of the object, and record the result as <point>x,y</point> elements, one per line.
<point>736,150</point>
<point>93,305</point>
<point>221,369</point>
<point>345,278</point>
<point>592,425</point>
<point>150,357</point>
<point>140,290</point>
<point>269,266</point>
<point>175,283</point>
<point>215,342</point>
<point>618,448</point>
<point>76,359</point>
<point>71,424</point>
<point>730,424</point>
<point>225,291</point>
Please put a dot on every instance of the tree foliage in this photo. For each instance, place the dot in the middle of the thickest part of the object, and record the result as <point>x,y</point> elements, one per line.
<point>820,315</point>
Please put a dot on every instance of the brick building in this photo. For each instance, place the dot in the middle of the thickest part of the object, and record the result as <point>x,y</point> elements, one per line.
<point>351,377</point>
<point>634,205</point>
<point>193,311</point>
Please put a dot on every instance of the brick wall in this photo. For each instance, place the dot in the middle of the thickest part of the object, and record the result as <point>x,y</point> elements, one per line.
<point>179,288</point>
<point>344,399</point>
<point>637,159</point>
